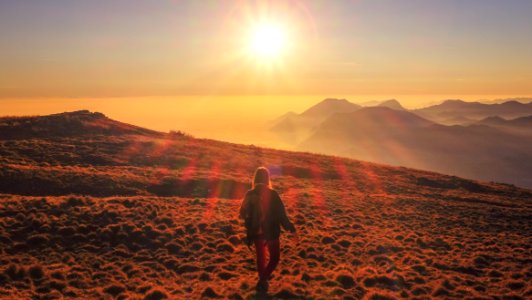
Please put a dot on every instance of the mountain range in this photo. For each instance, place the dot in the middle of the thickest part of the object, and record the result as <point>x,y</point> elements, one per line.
<point>486,146</point>
<point>453,112</point>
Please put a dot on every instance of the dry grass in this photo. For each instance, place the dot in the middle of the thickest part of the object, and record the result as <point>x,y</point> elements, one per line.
<point>81,218</point>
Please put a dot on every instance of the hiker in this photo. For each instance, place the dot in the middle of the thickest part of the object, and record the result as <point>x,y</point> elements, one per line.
<point>263,212</point>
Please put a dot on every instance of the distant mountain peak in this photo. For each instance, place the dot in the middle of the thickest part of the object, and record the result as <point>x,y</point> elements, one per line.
<point>512,103</point>
<point>455,103</point>
<point>494,118</point>
<point>522,123</point>
<point>292,127</point>
<point>329,106</point>
<point>392,103</point>
<point>326,100</point>
<point>373,118</point>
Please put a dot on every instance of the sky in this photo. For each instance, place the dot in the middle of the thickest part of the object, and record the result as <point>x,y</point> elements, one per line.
<point>417,51</point>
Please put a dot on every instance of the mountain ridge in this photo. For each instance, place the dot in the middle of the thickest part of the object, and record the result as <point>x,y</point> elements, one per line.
<point>295,127</point>
<point>449,110</point>
<point>403,138</point>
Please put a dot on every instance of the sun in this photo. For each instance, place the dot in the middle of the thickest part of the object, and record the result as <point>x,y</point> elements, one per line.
<point>268,40</point>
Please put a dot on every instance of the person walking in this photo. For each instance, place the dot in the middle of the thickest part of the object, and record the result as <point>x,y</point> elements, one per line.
<point>264,213</point>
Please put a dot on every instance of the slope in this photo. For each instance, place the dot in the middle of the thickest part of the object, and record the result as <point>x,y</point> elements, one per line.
<point>155,217</point>
<point>75,123</point>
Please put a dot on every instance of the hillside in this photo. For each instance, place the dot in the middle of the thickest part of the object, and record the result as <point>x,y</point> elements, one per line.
<point>76,124</point>
<point>132,213</point>
<point>405,139</point>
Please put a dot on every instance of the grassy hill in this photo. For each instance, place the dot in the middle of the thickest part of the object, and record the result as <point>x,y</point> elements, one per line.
<point>125,212</point>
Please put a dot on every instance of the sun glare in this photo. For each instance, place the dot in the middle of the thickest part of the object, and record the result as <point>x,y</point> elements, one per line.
<point>268,40</point>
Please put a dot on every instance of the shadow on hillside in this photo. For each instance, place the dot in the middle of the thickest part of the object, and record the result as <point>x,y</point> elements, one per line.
<point>37,182</point>
<point>283,294</point>
<point>203,188</point>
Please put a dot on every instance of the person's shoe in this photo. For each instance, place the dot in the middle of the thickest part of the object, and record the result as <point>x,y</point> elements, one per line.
<point>262,286</point>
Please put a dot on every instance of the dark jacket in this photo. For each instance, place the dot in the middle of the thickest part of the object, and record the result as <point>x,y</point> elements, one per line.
<point>264,207</point>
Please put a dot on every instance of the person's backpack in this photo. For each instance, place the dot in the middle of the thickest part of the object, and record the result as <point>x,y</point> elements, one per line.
<point>252,221</point>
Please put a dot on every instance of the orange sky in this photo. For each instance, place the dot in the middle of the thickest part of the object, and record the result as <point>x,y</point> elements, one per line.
<point>181,48</point>
<point>188,64</point>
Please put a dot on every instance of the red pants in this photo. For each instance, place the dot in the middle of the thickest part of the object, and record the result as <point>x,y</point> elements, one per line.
<point>265,270</point>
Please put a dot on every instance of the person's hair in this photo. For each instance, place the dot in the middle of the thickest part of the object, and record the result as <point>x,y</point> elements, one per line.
<point>262,176</point>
